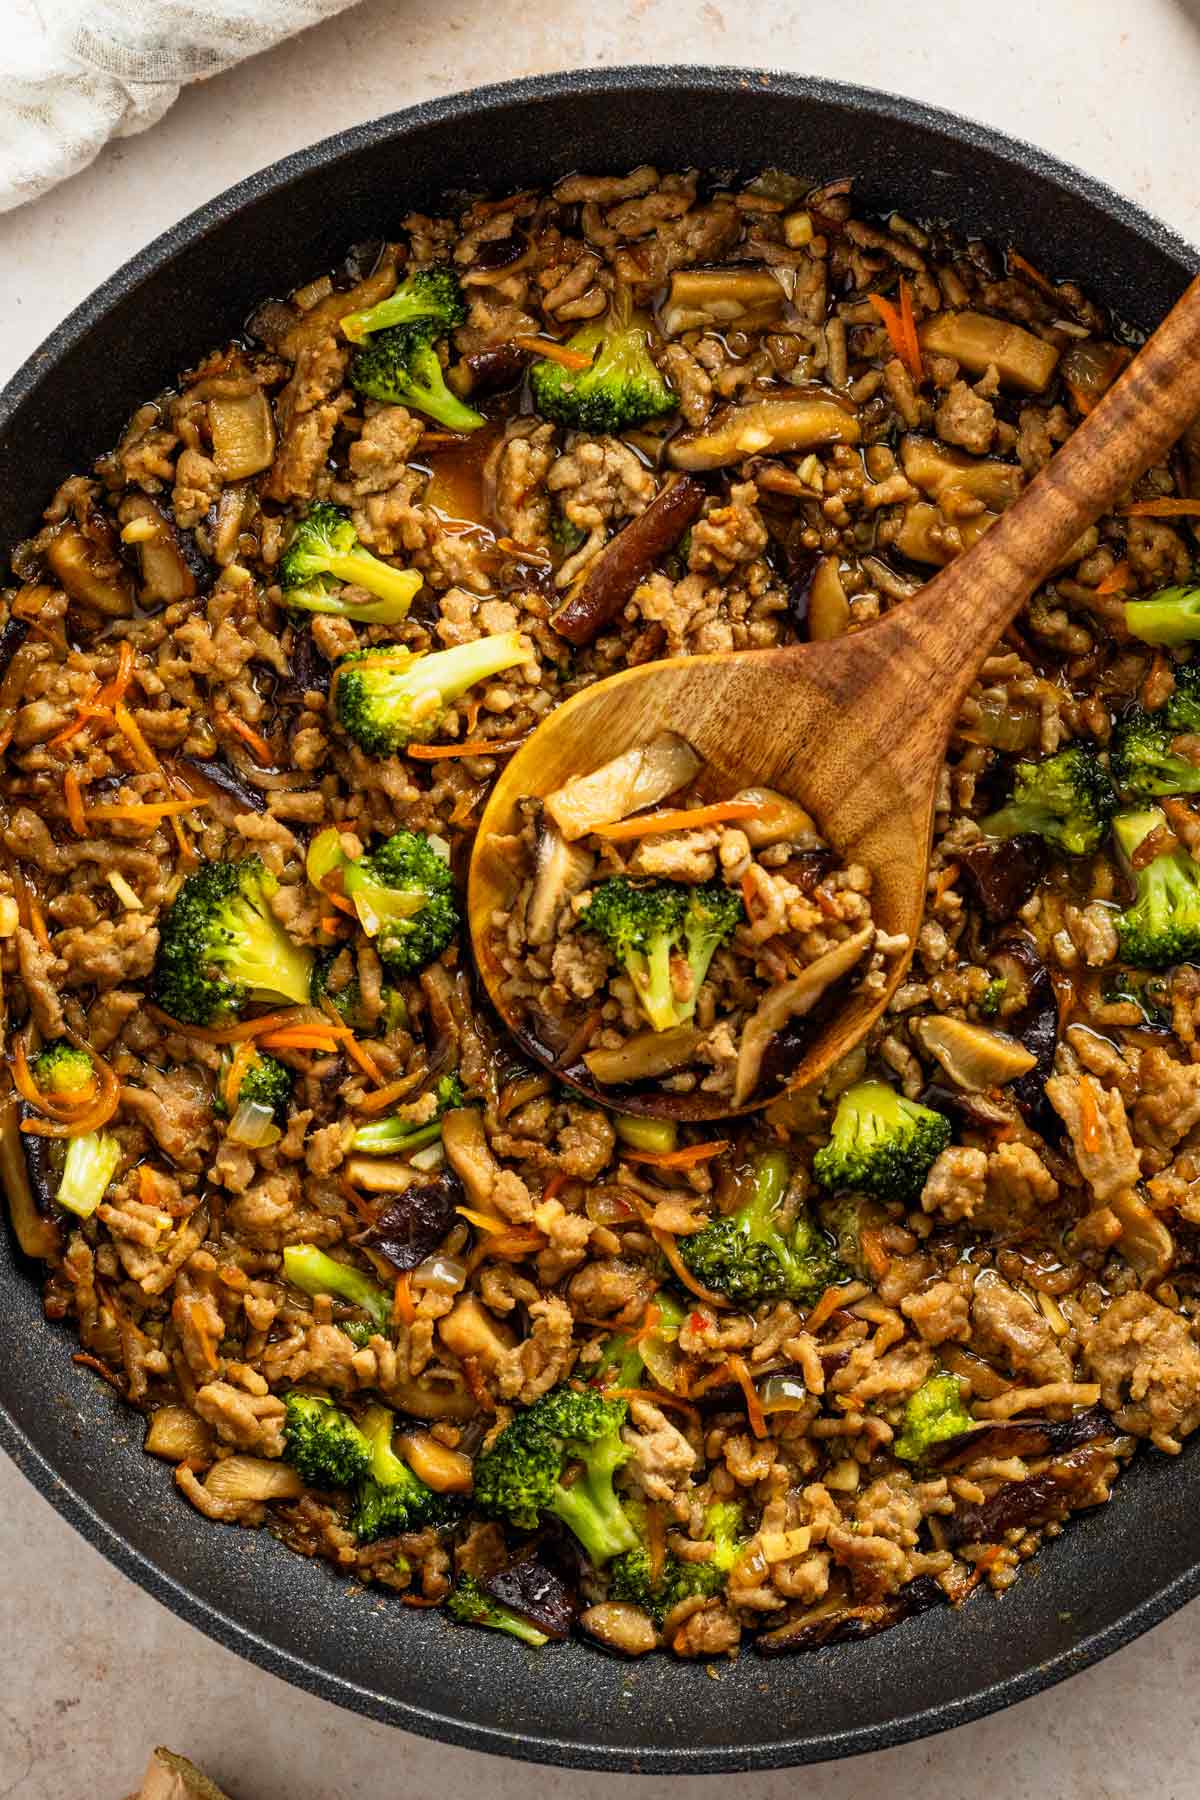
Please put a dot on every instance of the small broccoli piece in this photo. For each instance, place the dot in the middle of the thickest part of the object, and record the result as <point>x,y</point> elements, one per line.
<point>220,946</point>
<point>386,697</point>
<point>631,1577</point>
<point>1151,994</point>
<point>1143,762</point>
<point>325,554</point>
<point>88,1168</point>
<point>391,1135</point>
<point>933,1414</point>
<point>992,997</point>
<point>1162,927</point>
<point>646,926</point>
<point>1181,711</point>
<point>622,388</point>
<point>391,1499</point>
<point>313,1272</point>
<point>322,1443</point>
<point>519,1477</point>
<point>63,1068</point>
<point>1067,799</point>
<point>625,1362</point>
<point>882,1144</point>
<point>401,367</point>
<point>565,534</point>
<point>433,294</point>
<point>346,1000</point>
<point>749,1258</point>
<point>1171,617</point>
<point>470,1605</point>
<point>266,1082</point>
<point>403,893</point>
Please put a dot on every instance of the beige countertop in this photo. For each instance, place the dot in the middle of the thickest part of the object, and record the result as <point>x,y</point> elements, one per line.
<point>95,1672</point>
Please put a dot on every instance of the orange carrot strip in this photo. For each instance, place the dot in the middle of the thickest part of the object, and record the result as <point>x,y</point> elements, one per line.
<point>682,1273</point>
<point>471,747</point>
<point>1024,267</point>
<point>1091,1136</point>
<point>892,319</point>
<point>403,1310</point>
<point>1116,581</point>
<point>37,924</point>
<point>656,1539</point>
<point>874,1255</point>
<point>687,818</point>
<point>1161,509</point>
<point>258,744</point>
<point>147,1185</point>
<point>655,1398</point>
<point>73,795</point>
<point>143,812</point>
<point>650,1321</point>
<point>98,1110</point>
<point>116,688</point>
<point>297,1038</point>
<point>359,1054</point>
<point>233,1034</point>
<point>383,1097</point>
<point>481,1221</point>
<point>554,352</point>
<point>823,1311</point>
<point>908,325</point>
<point>754,1412</point>
<point>199,1327</point>
<point>684,1158</point>
<point>5,738</point>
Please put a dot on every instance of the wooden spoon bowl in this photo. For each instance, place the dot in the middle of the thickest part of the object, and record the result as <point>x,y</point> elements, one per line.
<point>855,728</point>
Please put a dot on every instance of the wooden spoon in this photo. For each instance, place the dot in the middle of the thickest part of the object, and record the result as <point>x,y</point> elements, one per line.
<point>854,728</point>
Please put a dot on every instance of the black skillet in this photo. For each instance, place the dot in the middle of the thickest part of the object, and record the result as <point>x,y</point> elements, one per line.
<point>1115,1571</point>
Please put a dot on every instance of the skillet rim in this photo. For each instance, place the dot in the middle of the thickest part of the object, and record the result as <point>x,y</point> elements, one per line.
<point>175,1592</point>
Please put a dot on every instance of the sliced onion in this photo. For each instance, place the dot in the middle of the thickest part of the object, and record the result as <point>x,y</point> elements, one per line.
<point>445,1274</point>
<point>661,1359</point>
<point>608,1206</point>
<point>253,1478</point>
<point>439,845</point>
<point>401,904</point>
<point>431,1156</point>
<point>325,854</point>
<point>783,1393</point>
<point>253,1124</point>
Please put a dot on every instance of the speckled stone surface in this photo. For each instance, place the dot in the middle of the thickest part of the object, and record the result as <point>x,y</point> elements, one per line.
<point>95,1672</point>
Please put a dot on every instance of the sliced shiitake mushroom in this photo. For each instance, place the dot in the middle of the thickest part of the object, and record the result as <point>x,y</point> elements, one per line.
<point>801,419</point>
<point>974,1056</point>
<point>560,871</point>
<point>637,778</point>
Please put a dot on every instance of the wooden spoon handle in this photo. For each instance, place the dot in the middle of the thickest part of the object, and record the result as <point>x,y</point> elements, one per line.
<point>958,616</point>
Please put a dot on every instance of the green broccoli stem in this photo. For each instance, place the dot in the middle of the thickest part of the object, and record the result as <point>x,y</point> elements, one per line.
<point>394,1134</point>
<point>590,1507</point>
<point>91,1162</point>
<point>1132,828</point>
<point>772,1172</point>
<point>314,1273</point>
<point>1170,618</point>
<point>396,587</point>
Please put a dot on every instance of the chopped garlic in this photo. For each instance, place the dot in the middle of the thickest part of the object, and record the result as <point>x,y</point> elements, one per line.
<point>781,1546</point>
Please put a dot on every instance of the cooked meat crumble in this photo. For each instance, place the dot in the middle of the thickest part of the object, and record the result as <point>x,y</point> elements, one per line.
<point>417,1307</point>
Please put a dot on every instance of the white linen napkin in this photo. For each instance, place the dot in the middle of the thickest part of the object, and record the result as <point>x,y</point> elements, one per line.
<point>75,73</point>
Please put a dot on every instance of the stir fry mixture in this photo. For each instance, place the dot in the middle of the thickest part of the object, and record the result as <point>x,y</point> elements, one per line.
<point>685,946</point>
<point>379,1285</point>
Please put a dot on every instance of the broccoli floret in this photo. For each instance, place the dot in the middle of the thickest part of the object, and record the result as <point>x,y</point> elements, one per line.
<point>324,554</point>
<point>1143,762</point>
<point>346,1001</point>
<point>389,1136</point>
<point>1162,927</point>
<point>403,893</point>
<point>220,946</point>
<point>748,1257</point>
<point>313,1272</point>
<point>391,1499</point>
<point>387,697</point>
<point>470,1605</point>
<point>882,1144</point>
<point>88,1168</point>
<point>1067,799</point>
<point>518,1478</point>
<point>63,1068</point>
<point>433,294</point>
<point>622,388</point>
<point>401,367</point>
<point>266,1082</point>
<point>1172,616</point>
<point>646,926</point>
<point>933,1414</point>
<point>322,1443</point>
<point>631,1576</point>
<point>1151,994</point>
<point>1181,711</point>
<point>993,996</point>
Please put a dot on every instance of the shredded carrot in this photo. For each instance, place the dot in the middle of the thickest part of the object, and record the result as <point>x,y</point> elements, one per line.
<point>383,1097</point>
<point>68,1116</point>
<point>946,878</point>
<point>233,1034</point>
<point>874,1255</point>
<point>243,1059</point>
<point>754,1412</point>
<point>481,1221</point>
<point>37,924</point>
<point>901,328</point>
<point>650,1321</point>
<point>554,1186</point>
<point>116,688</point>
<point>147,1185</point>
<point>1161,509</point>
<point>823,1311</point>
<point>1117,579</point>
<point>510,1245</point>
<point>333,926</point>
<point>684,1158</point>
<point>1091,1137</point>
<point>749,894</point>
<point>687,818</point>
<point>403,1310</point>
<point>554,352</point>
<point>471,747</point>
<point>656,1538</point>
<point>143,812</point>
<point>73,796</point>
<point>666,1244</point>
<point>655,1398</point>
<point>358,1053</point>
<point>1024,267</point>
<point>201,1330</point>
<point>61,1106</point>
<point>365,1211</point>
<point>257,744</point>
<point>341,903</point>
<point>129,728</point>
<point>5,738</point>
<point>301,1037</point>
